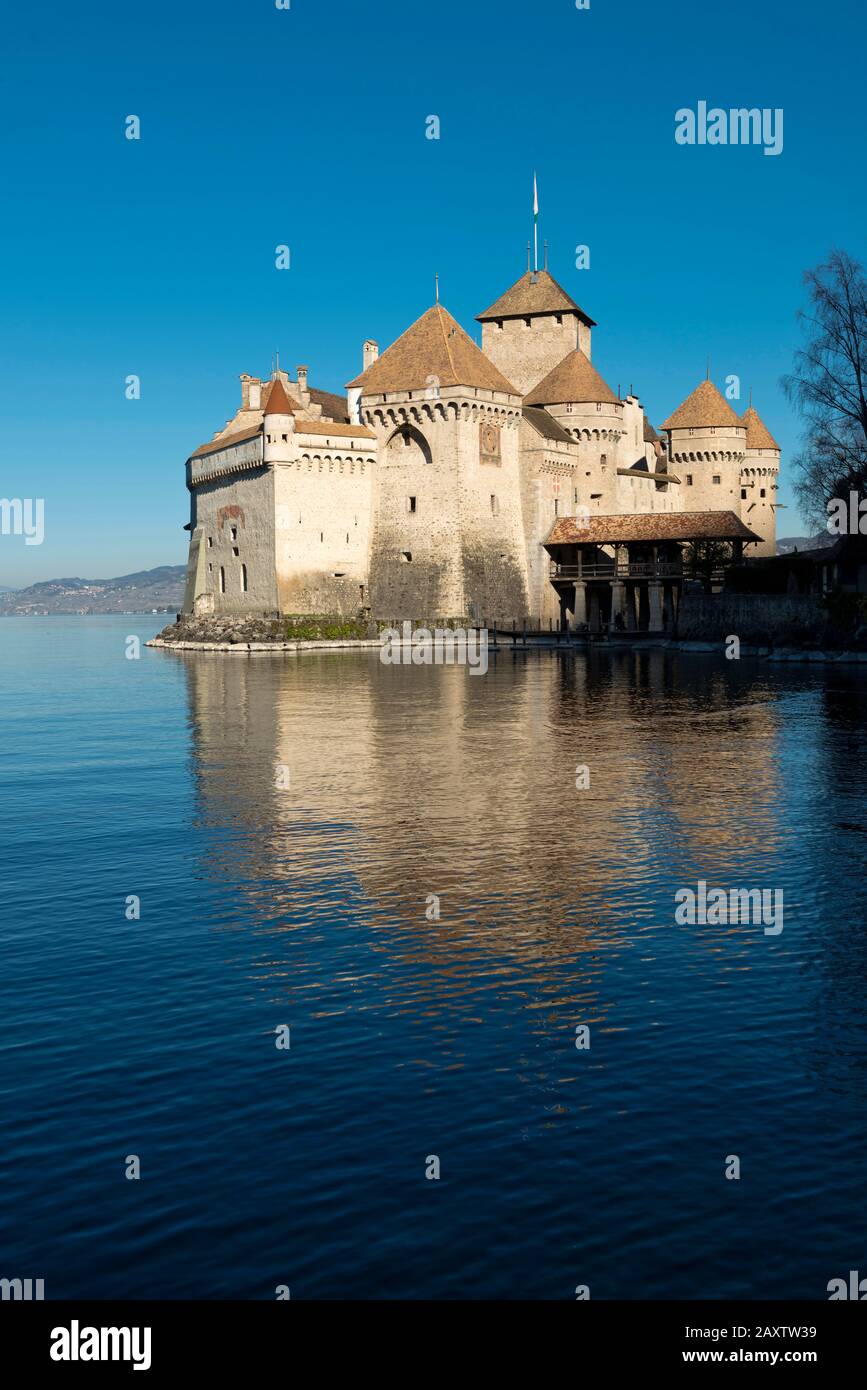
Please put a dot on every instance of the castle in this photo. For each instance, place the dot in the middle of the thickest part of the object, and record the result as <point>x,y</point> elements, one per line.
<point>497,484</point>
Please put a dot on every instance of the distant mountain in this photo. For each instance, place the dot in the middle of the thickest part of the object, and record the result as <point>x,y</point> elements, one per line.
<point>790,543</point>
<point>160,590</point>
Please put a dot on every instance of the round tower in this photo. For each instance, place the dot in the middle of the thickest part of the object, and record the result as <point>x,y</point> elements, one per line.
<point>584,405</point>
<point>759,473</point>
<point>707,443</point>
<point>278,425</point>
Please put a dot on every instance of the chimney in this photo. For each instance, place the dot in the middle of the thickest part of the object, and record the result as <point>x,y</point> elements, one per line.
<point>302,384</point>
<point>254,394</point>
<point>245,390</point>
<point>370,352</point>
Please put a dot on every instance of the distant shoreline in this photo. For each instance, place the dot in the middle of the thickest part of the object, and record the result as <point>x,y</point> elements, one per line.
<point>98,613</point>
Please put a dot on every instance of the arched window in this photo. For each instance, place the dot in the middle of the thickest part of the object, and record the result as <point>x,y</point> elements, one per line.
<point>407,445</point>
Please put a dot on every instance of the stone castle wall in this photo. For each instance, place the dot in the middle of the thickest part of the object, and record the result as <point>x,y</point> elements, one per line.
<point>235,514</point>
<point>526,352</point>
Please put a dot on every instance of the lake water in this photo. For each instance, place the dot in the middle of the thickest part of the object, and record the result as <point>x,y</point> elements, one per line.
<point>308,905</point>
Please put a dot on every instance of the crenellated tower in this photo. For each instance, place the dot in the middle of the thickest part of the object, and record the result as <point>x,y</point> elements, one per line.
<point>707,444</point>
<point>759,475</point>
<point>532,327</point>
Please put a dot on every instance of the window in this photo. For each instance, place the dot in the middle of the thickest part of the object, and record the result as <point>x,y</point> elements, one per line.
<point>761,492</point>
<point>743,494</point>
<point>405,556</point>
<point>527,323</point>
<point>210,569</point>
<point>691,433</point>
<point>210,542</point>
<point>411,504</point>
<point>556,506</point>
<point>495,505</point>
<point>222,580</point>
<point>321,536</point>
<point>234,533</point>
<point>244,585</point>
<point>568,407</point>
<point>716,478</point>
<point>598,405</point>
<point>235,550</point>
<point>603,459</point>
<point>689,480</point>
<point>558,319</point>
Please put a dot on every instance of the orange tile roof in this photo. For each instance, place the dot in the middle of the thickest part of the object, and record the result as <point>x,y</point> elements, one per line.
<point>536,292</point>
<point>277,402</point>
<point>226,442</point>
<point>335,427</point>
<point>705,408</point>
<point>435,346</point>
<point>573,379</point>
<point>758,434</point>
<point>661,526</point>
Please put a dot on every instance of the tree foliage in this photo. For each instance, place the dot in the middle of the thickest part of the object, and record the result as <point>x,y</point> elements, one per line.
<point>828,384</point>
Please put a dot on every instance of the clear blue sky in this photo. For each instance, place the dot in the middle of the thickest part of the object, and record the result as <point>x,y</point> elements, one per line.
<point>307,127</point>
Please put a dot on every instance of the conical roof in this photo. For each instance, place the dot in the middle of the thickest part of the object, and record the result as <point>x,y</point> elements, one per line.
<point>704,409</point>
<point>573,379</point>
<point>278,403</point>
<point>536,292</point>
<point>758,434</point>
<point>434,346</point>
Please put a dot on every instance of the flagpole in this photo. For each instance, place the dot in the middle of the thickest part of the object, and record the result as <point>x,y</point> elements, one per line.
<point>535,227</point>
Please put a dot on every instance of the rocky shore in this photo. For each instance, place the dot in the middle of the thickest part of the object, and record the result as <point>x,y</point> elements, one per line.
<point>243,633</point>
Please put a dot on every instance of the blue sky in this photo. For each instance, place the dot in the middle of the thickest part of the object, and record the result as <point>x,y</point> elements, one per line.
<point>306,126</point>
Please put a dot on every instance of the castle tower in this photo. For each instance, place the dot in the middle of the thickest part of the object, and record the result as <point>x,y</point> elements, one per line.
<point>584,405</point>
<point>707,444</point>
<point>532,327</point>
<point>279,424</point>
<point>448,538</point>
<point>759,475</point>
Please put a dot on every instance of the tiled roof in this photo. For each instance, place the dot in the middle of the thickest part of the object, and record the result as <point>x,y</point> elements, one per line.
<point>536,292</point>
<point>704,409</point>
<point>545,424</point>
<point>663,526</point>
<point>333,427</point>
<point>434,347</point>
<point>277,402</point>
<point>758,434</point>
<point>650,435</point>
<point>573,379</point>
<point>214,445</point>
<point>333,406</point>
